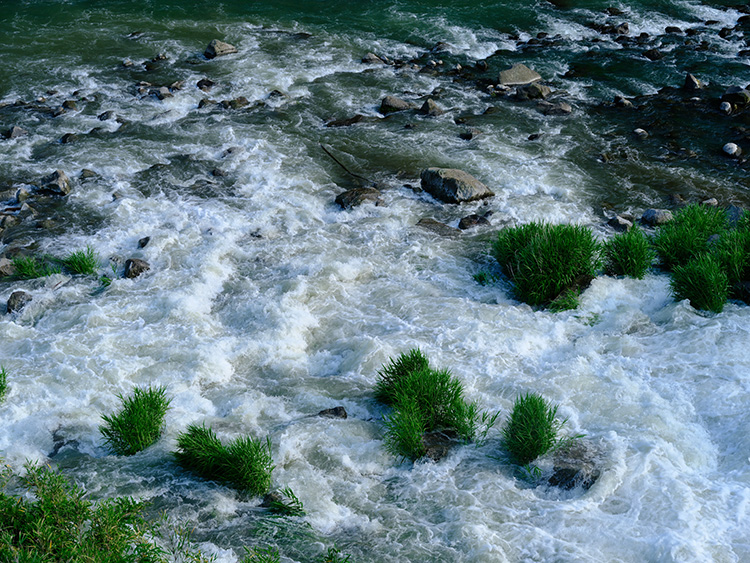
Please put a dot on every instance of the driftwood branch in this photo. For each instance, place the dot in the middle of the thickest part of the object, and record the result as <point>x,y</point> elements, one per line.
<point>327,150</point>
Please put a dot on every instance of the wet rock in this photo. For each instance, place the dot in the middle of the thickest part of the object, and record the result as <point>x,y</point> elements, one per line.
<point>533,91</point>
<point>622,29</point>
<point>692,84</point>
<point>335,412</point>
<point>437,227</point>
<point>731,149</point>
<point>345,122</point>
<point>672,29</point>
<point>218,49</point>
<point>710,202</point>
<point>431,108</point>
<point>274,498</point>
<point>620,224</point>
<point>69,138</point>
<point>70,104</point>
<point>736,96</point>
<point>557,108</point>
<point>656,217</point>
<point>6,267</point>
<point>134,267</point>
<point>162,93</point>
<point>391,104</point>
<point>472,221</point>
<point>640,133</point>
<point>481,66</point>
<point>358,196</point>
<point>206,102</point>
<point>518,75</point>
<point>143,242</point>
<point>470,134</point>
<point>8,221</point>
<point>87,174</point>
<point>15,132</point>
<point>653,54</point>
<point>205,84</point>
<point>372,59</point>
<point>106,115</point>
<point>56,184</point>
<point>622,102</point>
<point>18,300</point>
<point>575,465</point>
<point>438,444</point>
<point>236,103</point>
<point>451,185</point>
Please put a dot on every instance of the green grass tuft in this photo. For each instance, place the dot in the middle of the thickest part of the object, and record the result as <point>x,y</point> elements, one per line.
<point>287,504</point>
<point>85,262</point>
<point>532,428</point>
<point>702,281</point>
<point>687,235</point>
<point>57,523</point>
<point>246,463</point>
<point>732,251</point>
<point>334,555</point>
<point>3,383</point>
<point>628,254</point>
<point>396,371</point>
<point>139,423</point>
<point>544,261</point>
<point>32,267</point>
<point>262,555</point>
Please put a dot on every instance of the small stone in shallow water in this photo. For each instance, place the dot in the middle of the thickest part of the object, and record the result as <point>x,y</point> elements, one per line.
<point>641,133</point>
<point>471,221</point>
<point>731,149</point>
<point>656,217</point>
<point>218,49</point>
<point>143,242</point>
<point>725,107</point>
<point>335,412</point>
<point>134,267</point>
<point>358,196</point>
<point>710,202</point>
<point>18,300</point>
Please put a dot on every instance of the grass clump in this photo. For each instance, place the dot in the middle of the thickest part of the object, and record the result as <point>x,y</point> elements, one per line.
<point>59,524</point>
<point>246,463</point>
<point>628,254</point>
<point>85,262</point>
<point>3,383</point>
<point>687,235</point>
<point>732,251</point>
<point>32,267</point>
<point>285,503</point>
<point>139,423</point>
<point>531,430</point>
<point>544,261</point>
<point>425,400</point>
<point>262,555</point>
<point>703,281</point>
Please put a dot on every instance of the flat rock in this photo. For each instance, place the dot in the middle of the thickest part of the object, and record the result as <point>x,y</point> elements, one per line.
<point>56,183</point>
<point>656,217</point>
<point>218,49</point>
<point>335,412</point>
<point>391,104</point>
<point>451,185</point>
<point>517,75</point>
<point>472,221</point>
<point>18,300</point>
<point>437,227</point>
<point>620,224</point>
<point>134,267</point>
<point>358,196</point>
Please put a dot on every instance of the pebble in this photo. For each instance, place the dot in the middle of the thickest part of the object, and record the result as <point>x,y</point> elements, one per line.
<point>731,149</point>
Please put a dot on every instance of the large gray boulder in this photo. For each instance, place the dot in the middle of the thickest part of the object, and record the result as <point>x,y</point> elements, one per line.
<point>518,75</point>
<point>218,48</point>
<point>451,185</point>
<point>56,183</point>
<point>391,104</point>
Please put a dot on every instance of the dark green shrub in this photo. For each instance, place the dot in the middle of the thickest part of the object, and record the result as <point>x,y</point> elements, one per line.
<point>543,261</point>
<point>61,525</point>
<point>3,383</point>
<point>139,423</point>
<point>532,428</point>
<point>85,262</point>
<point>702,281</point>
<point>687,235</point>
<point>246,463</point>
<point>628,254</point>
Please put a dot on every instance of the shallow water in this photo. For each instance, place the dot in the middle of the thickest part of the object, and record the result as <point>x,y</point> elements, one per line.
<point>266,302</point>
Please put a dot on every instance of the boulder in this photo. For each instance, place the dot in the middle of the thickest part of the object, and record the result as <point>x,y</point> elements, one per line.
<point>391,104</point>
<point>372,59</point>
<point>358,196</point>
<point>725,107</point>
<point>335,412</point>
<point>451,185</point>
<point>472,221</point>
<point>692,84</point>
<point>134,267</point>
<point>143,242</point>
<point>620,224</point>
<point>218,49</point>
<point>205,84</point>
<point>18,300</point>
<point>653,54</point>
<point>57,184</point>
<point>236,103</point>
<point>622,29</point>
<point>533,91</point>
<point>575,465</point>
<point>558,108</point>
<point>656,217</point>
<point>731,149</point>
<point>437,227</point>
<point>518,75</point>
<point>15,132</point>
<point>6,267</point>
<point>87,174</point>
<point>431,108</point>
<point>736,96</point>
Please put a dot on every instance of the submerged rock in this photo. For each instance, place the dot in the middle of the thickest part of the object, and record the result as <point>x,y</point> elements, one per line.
<point>218,49</point>
<point>437,227</point>
<point>575,465</point>
<point>438,444</point>
<point>358,196</point>
<point>134,267</point>
<point>472,221</point>
<point>18,300</point>
<point>335,412</point>
<point>451,185</point>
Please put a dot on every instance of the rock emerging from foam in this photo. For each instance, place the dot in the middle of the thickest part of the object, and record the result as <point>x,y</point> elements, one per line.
<point>134,267</point>
<point>56,183</point>
<point>451,185</point>
<point>218,49</point>
<point>18,300</point>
